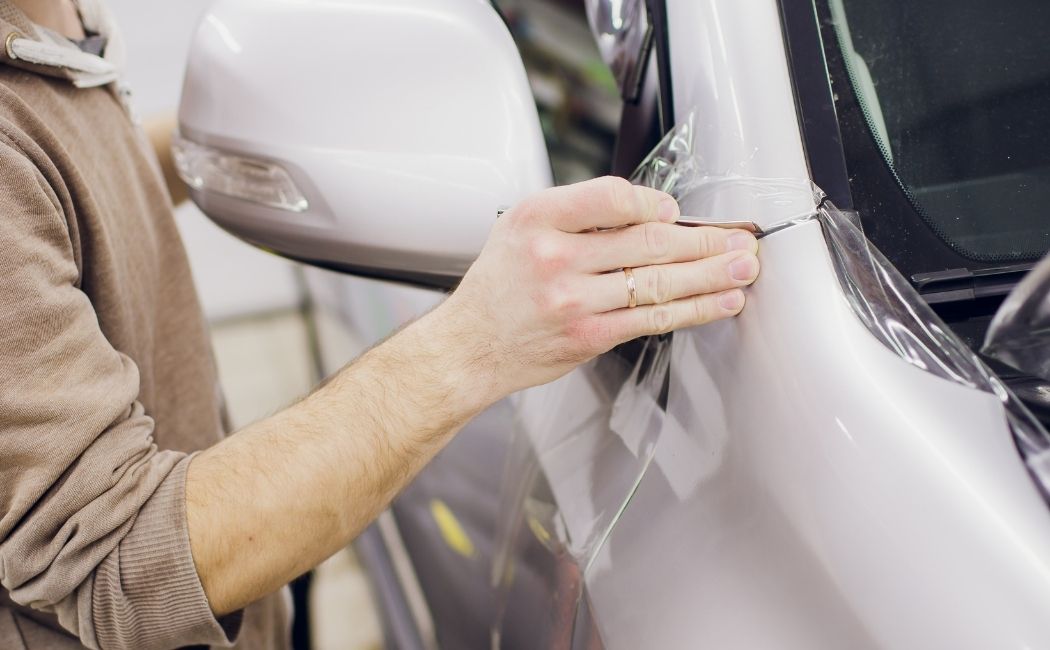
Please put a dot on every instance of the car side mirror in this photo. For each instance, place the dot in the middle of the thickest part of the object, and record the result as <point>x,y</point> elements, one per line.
<point>376,137</point>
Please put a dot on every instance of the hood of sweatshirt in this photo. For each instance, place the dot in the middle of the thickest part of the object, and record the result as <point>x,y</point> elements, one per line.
<point>42,51</point>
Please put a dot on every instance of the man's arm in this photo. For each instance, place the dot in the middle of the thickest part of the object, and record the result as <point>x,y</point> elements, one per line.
<point>545,295</point>
<point>92,514</point>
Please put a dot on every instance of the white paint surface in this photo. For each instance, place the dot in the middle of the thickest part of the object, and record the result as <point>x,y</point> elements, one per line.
<point>405,123</point>
<point>233,279</point>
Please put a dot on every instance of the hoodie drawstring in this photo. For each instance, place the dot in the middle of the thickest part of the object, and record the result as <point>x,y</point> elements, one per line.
<point>94,70</point>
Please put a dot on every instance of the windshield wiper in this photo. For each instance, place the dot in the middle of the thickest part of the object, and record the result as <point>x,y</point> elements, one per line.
<point>957,285</point>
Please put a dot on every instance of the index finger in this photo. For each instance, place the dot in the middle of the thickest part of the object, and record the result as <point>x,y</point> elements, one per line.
<point>608,202</point>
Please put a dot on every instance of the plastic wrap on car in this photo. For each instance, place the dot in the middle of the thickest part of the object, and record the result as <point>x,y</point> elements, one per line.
<point>572,468</point>
<point>1020,332</point>
<point>892,310</point>
<point>677,167</point>
<point>883,300</point>
<point>575,465</point>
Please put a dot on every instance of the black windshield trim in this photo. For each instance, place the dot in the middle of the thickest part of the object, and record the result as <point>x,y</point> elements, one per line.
<point>814,101</point>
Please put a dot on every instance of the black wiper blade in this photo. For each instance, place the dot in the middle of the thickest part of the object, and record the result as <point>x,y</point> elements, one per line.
<point>955,285</point>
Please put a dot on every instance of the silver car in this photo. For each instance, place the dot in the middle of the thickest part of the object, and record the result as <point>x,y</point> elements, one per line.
<point>838,467</point>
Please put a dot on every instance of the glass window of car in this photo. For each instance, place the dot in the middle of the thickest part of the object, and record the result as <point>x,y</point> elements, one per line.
<point>956,95</point>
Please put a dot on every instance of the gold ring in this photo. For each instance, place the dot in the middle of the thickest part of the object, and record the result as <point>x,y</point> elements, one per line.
<point>632,288</point>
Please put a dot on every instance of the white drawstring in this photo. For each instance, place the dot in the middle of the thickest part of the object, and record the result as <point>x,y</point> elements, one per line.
<point>95,71</point>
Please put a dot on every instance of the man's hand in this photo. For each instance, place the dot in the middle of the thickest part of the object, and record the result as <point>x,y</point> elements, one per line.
<point>546,294</point>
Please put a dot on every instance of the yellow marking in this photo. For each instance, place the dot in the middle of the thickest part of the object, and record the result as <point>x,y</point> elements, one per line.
<point>450,528</point>
<point>539,531</point>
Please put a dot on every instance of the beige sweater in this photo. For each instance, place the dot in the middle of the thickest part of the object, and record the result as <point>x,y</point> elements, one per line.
<point>106,381</point>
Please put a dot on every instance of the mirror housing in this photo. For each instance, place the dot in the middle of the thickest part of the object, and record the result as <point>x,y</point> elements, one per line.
<point>376,137</point>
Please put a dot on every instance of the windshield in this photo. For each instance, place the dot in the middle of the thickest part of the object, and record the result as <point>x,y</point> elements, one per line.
<point>956,97</point>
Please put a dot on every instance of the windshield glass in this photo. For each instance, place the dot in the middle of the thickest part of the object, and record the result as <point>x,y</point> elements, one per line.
<point>956,95</point>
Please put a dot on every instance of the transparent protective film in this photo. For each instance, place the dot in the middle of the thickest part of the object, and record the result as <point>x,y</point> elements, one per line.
<point>1020,333</point>
<point>581,446</point>
<point>878,294</point>
<point>677,167</point>
<point>891,309</point>
<point>584,443</point>
<point>895,314</point>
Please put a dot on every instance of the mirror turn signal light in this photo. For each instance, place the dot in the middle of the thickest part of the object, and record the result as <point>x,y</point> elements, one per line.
<point>251,179</point>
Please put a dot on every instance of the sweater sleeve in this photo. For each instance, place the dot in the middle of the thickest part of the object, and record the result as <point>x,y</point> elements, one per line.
<point>92,515</point>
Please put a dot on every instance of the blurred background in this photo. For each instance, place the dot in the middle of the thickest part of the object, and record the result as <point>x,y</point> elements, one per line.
<point>269,316</point>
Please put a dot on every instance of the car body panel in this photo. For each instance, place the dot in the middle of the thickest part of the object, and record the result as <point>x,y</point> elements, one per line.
<point>363,311</point>
<point>728,63</point>
<point>843,498</point>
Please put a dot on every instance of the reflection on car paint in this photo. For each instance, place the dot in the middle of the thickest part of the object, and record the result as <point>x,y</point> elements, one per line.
<point>884,301</point>
<point>576,464</point>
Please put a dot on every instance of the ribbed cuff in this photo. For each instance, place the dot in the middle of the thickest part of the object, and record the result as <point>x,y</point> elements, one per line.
<point>147,593</point>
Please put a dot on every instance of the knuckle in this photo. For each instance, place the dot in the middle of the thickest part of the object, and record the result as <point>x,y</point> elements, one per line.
<point>657,239</point>
<point>658,285</point>
<point>661,319</point>
<point>622,195</point>
<point>708,243</point>
<point>546,254</point>
<point>702,310</point>
<point>560,301</point>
